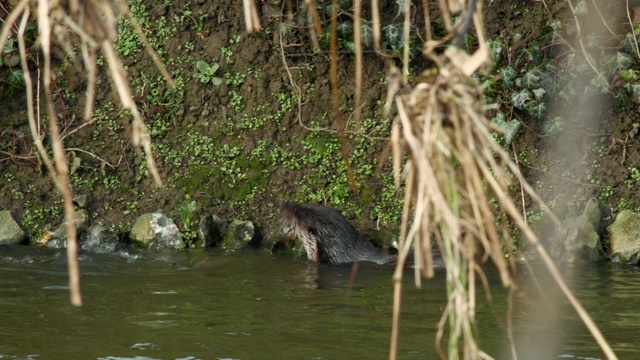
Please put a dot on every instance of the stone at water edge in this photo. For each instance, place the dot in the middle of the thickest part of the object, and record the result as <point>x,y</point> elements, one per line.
<point>155,229</point>
<point>578,238</point>
<point>582,241</point>
<point>240,234</point>
<point>10,231</point>
<point>168,235</point>
<point>624,238</point>
<point>209,231</point>
<point>141,233</point>
<point>59,237</point>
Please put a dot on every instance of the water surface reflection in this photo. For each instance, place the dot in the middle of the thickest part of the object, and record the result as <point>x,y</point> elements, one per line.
<point>203,305</point>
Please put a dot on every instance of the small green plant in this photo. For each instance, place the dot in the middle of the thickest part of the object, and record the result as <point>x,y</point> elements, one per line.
<point>227,54</point>
<point>186,211</point>
<point>206,73</point>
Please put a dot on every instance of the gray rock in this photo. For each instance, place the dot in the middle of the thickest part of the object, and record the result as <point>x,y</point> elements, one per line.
<point>240,234</point>
<point>100,240</point>
<point>10,231</point>
<point>579,238</point>
<point>209,231</point>
<point>80,222</point>
<point>141,233</point>
<point>157,230</point>
<point>624,238</point>
<point>81,200</point>
<point>279,242</point>
<point>593,215</point>
<point>582,241</point>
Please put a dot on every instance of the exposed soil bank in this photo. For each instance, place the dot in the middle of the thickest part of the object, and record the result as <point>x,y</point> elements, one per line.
<point>243,148</point>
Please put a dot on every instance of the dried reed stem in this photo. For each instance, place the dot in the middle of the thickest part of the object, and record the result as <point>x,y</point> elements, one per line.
<point>94,24</point>
<point>335,92</point>
<point>251,19</point>
<point>62,169</point>
<point>357,39</point>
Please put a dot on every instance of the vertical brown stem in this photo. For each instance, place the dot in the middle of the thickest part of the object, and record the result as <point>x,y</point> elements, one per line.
<point>336,95</point>
<point>60,160</point>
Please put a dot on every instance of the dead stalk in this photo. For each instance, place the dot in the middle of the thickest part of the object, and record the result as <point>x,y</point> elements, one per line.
<point>94,24</point>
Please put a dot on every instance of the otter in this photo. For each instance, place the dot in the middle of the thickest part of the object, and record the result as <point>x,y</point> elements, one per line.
<point>328,237</point>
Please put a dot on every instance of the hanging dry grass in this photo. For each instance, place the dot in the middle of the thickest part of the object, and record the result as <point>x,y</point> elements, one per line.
<point>455,168</point>
<point>91,26</point>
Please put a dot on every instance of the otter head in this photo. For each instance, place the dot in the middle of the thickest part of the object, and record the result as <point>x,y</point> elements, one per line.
<point>326,235</point>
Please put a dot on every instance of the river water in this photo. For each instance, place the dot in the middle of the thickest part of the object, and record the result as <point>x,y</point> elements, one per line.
<point>211,305</point>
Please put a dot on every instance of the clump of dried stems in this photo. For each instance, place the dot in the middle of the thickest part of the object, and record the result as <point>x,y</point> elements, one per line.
<point>91,26</point>
<point>455,167</point>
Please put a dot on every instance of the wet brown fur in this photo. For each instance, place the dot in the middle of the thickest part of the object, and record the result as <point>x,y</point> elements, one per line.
<point>328,237</point>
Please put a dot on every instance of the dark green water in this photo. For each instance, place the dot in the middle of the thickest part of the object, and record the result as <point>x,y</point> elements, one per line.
<point>204,305</point>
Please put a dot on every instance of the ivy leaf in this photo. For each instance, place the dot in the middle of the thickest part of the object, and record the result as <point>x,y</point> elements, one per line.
<point>600,81</point>
<point>518,82</point>
<point>538,111</point>
<point>554,126</point>
<point>519,98</point>
<point>401,7</point>
<point>500,119</point>
<point>531,79</point>
<point>635,89</point>
<point>588,92</point>
<point>593,41</point>
<point>327,9</point>
<point>495,50</point>
<point>325,38</point>
<point>344,29</point>
<point>16,78</point>
<point>620,61</point>
<point>628,44</point>
<point>366,35</point>
<point>509,129</point>
<point>350,45</point>
<point>393,35</point>
<point>8,46</point>
<point>508,73</point>
<point>539,93</point>
<point>628,75</point>
<point>536,55</point>
<point>413,47</point>
<point>516,38</point>
<point>548,80</point>
<point>531,55</point>
<point>345,4</point>
<point>580,8</point>
<point>556,27</point>
<point>556,24</point>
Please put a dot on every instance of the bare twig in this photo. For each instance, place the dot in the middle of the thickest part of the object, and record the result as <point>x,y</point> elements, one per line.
<point>336,96</point>
<point>62,169</point>
<point>357,39</point>
<point>587,57</point>
<point>251,16</point>
<point>633,31</point>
